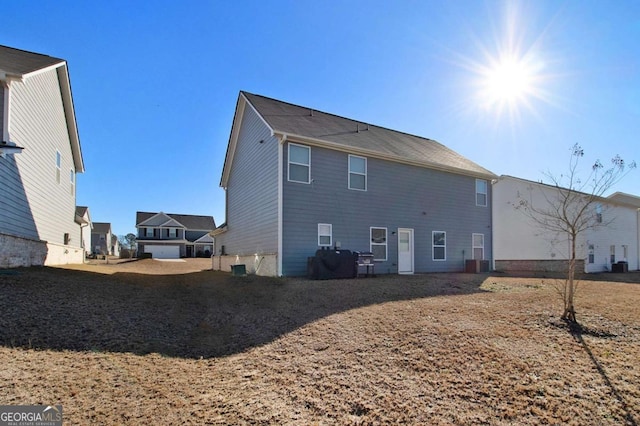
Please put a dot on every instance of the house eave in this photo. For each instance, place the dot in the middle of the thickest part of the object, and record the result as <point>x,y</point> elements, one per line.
<point>284,136</point>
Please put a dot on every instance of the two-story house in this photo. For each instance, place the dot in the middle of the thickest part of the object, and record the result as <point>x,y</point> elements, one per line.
<point>297,179</point>
<point>171,236</point>
<point>612,231</point>
<point>83,218</point>
<point>101,238</point>
<point>39,158</point>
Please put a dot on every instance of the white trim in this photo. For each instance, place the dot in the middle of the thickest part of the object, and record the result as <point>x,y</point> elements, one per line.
<point>433,246</point>
<point>386,242</point>
<point>280,204</point>
<point>6,111</point>
<point>289,163</point>
<point>474,247</point>
<point>330,235</point>
<point>485,193</point>
<point>357,173</point>
<point>411,250</point>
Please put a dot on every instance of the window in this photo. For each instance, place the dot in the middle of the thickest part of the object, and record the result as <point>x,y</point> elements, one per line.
<point>613,254</point>
<point>439,245</point>
<point>148,232</point>
<point>357,173</point>
<point>67,239</point>
<point>478,246</point>
<point>591,253</point>
<point>58,165</point>
<point>172,232</point>
<point>625,252</point>
<point>598,213</point>
<point>72,179</point>
<point>299,163</point>
<point>481,192</point>
<point>324,234</point>
<point>378,245</point>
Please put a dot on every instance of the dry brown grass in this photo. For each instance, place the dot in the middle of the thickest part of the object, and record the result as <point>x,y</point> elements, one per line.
<point>152,342</point>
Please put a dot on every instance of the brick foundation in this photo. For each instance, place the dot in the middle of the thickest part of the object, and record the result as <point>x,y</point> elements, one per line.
<point>16,251</point>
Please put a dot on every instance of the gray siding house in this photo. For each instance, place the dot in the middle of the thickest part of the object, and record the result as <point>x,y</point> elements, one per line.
<point>101,237</point>
<point>170,235</point>
<point>38,191</point>
<point>297,179</point>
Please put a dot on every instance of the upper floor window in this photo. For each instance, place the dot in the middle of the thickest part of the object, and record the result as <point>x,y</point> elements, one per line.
<point>58,165</point>
<point>439,245</point>
<point>148,232</point>
<point>357,173</point>
<point>299,163</point>
<point>598,213</point>
<point>378,245</point>
<point>324,234</point>
<point>172,232</point>
<point>478,246</point>
<point>481,192</point>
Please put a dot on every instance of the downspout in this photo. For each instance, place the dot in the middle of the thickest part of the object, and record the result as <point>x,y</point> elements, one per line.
<point>281,143</point>
<point>5,112</point>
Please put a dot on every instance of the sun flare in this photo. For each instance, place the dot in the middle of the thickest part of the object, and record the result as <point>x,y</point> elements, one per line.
<point>508,81</point>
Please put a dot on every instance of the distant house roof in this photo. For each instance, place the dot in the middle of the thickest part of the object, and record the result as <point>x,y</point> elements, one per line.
<point>101,227</point>
<point>16,64</point>
<point>624,198</point>
<point>192,222</point>
<point>332,131</point>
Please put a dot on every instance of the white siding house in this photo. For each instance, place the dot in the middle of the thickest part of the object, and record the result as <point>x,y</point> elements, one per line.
<point>38,213</point>
<point>521,244</point>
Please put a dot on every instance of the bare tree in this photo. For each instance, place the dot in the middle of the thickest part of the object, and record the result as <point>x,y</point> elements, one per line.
<point>129,241</point>
<point>570,210</point>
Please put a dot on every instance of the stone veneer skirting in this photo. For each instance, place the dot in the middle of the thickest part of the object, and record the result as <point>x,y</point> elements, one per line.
<point>17,251</point>
<point>537,265</point>
<point>259,264</point>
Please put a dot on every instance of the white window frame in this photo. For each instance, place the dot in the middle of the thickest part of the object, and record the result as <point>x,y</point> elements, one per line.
<point>433,246</point>
<point>58,165</point>
<point>473,246</point>
<point>591,258</point>
<point>308,148</point>
<point>322,233</point>
<point>148,230</point>
<point>351,172</point>
<point>72,180</point>
<point>175,232</point>
<point>385,244</point>
<point>485,193</point>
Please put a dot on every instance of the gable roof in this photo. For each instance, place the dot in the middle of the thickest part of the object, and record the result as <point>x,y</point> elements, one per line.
<point>315,127</point>
<point>16,64</point>
<point>204,223</point>
<point>101,227</point>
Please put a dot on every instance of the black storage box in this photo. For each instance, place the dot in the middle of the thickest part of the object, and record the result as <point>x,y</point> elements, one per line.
<point>330,264</point>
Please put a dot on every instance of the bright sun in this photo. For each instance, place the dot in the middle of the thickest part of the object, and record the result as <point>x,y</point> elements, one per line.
<point>508,81</point>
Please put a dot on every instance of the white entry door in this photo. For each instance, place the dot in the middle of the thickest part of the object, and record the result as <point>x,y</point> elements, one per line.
<point>405,251</point>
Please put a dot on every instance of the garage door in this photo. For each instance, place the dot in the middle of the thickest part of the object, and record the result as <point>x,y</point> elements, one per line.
<point>163,252</point>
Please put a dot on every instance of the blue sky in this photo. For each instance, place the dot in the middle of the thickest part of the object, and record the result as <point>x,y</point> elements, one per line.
<point>155,83</point>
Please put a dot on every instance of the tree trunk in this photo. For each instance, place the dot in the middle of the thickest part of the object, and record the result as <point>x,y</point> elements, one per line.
<point>569,313</point>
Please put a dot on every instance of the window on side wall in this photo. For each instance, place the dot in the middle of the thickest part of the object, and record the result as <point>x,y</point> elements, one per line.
<point>58,166</point>
<point>357,173</point>
<point>598,213</point>
<point>324,234</point>
<point>478,246</point>
<point>592,257</point>
<point>439,245</point>
<point>299,163</point>
<point>72,180</point>
<point>481,192</point>
<point>378,244</point>
<point>612,251</point>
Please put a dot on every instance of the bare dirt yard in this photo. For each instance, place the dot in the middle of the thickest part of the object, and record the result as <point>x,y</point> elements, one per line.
<point>152,342</point>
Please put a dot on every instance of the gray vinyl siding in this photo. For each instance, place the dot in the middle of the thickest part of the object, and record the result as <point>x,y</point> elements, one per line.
<point>252,191</point>
<point>35,205</point>
<point>397,196</point>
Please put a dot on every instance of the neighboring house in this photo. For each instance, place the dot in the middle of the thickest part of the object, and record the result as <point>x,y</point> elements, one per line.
<point>101,237</point>
<point>171,236</point>
<point>38,189</point>
<point>86,226</point>
<point>521,244</point>
<point>298,180</point>
<point>115,246</point>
